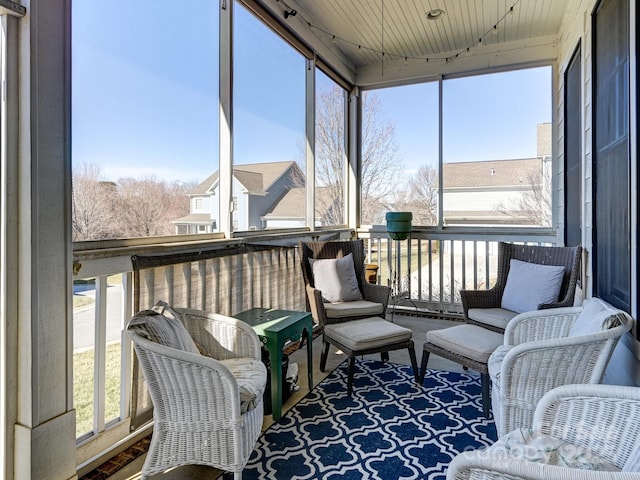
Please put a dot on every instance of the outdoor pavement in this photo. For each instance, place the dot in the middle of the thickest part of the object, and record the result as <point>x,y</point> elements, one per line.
<point>84,318</point>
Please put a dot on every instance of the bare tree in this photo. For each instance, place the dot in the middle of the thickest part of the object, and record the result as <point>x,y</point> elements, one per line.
<point>93,200</point>
<point>423,194</point>
<point>534,205</point>
<point>380,165</point>
<point>330,156</point>
<point>147,206</point>
<point>129,208</point>
<point>536,202</point>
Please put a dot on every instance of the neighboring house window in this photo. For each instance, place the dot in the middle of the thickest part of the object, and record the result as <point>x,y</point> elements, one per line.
<point>235,204</point>
<point>199,204</point>
<point>202,229</point>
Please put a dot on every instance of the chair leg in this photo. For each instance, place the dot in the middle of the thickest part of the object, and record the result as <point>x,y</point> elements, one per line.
<point>423,366</point>
<point>384,356</point>
<point>324,354</point>
<point>484,379</point>
<point>352,363</point>
<point>414,364</point>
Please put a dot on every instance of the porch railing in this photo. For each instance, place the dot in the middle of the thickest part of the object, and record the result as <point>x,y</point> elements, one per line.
<point>425,273</point>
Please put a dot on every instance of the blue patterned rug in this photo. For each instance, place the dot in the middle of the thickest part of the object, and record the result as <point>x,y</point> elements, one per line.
<point>390,429</point>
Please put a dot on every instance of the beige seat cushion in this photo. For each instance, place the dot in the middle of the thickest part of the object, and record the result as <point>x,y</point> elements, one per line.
<point>358,308</point>
<point>497,317</point>
<point>367,333</point>
<point>469,341</point>
<point>251,375</point>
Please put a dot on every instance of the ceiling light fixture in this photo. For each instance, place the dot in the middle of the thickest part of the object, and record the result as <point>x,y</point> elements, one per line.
<point>435,14</point>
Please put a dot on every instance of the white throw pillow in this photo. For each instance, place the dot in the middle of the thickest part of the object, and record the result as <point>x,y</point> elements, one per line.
<point>336,279</point>
<point>531,284</point>
<point>592,318</point>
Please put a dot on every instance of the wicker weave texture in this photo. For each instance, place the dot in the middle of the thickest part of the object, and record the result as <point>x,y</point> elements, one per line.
<point>534,367</point>
<point>568,257</point>
<point>602,418</point>
<point>197,414</point>
<point>338,249</point>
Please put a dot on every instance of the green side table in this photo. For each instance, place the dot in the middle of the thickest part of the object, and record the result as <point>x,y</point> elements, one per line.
<point>275,327</point>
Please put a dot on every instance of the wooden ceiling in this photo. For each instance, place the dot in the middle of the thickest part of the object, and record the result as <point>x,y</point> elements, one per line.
<point>359,31</point>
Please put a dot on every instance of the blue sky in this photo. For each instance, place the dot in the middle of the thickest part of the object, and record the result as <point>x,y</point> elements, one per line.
<point>485,117</point>
<point>144,88</point>
<point>144,97</point>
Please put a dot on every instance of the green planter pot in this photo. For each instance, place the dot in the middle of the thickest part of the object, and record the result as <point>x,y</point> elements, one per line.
<point>399,224</point>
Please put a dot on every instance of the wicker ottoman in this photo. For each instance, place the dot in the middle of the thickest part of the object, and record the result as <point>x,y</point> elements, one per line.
<point>468,345</point>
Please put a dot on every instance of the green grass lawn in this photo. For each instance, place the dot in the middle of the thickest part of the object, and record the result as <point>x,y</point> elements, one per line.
<point>81,301</point>
<point>383,272</point>
<point>83,375</point>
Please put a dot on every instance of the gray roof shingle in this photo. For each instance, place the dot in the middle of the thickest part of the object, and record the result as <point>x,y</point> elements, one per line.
<point>257,178</point>
<point>496,173</point>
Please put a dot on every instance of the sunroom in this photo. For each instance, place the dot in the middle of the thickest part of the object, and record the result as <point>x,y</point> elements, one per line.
<point>154,150</point>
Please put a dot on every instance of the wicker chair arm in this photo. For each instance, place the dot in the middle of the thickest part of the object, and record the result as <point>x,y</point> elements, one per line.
<point>188,382</point>
<point>376,293</point>
<point>540,325</point>
<point>531,369</point>
<point>221,337</point>
<point>480,465</point>
<point>316,305</point>
<point>491,298</point>
<point>567,302</point>
<point>602,418</point>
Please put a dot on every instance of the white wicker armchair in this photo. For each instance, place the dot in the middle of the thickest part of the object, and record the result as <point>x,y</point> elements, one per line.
<point>198,417</point>
<point>603,420</point>
<point>542,351</point>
